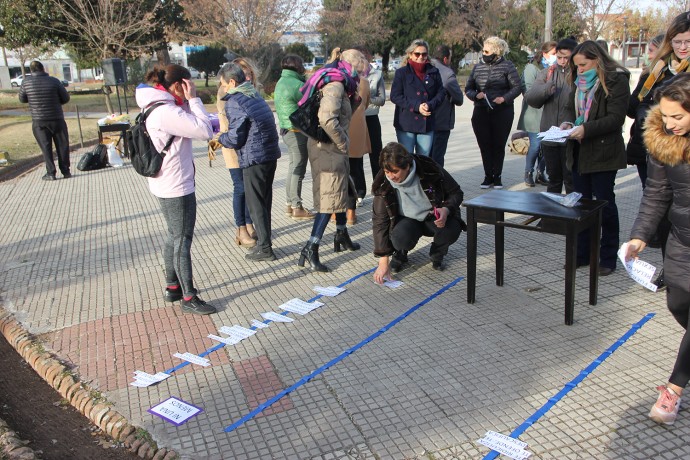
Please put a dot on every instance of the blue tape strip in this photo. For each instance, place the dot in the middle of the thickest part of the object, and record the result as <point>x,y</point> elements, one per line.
<point>573,383</point>
<point>268,321</point>
<point>339,358</point>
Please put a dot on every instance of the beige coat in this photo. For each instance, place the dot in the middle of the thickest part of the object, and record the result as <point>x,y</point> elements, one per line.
<point>229,155</point>
<point>330,167</point>
<point>360,144</point>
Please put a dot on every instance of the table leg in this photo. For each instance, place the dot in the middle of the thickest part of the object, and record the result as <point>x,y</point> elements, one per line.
<point>594,242</point>
<point>570,270</point>
<point>471,255</point>
<point>500,248</point>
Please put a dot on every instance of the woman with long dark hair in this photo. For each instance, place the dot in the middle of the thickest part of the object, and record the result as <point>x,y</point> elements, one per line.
<point>596,150</point>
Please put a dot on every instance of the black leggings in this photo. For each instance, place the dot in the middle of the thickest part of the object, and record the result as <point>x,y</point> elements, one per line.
<point>492,128</point>
<point>678,302</point>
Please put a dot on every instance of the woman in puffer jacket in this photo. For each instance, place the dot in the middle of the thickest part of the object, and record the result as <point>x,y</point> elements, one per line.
<point>181,118</point>
<point>667,138</point>
<point>493,86</point>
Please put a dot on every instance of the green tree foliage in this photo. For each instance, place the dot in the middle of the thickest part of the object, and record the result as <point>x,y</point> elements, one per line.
<point>566,20</point>
<point>301,50</point>
<point>207,60</point>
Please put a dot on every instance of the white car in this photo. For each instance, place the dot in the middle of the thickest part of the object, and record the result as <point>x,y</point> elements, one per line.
<point>16,82</point>
<point>195,73</point>
<point>98,77</point>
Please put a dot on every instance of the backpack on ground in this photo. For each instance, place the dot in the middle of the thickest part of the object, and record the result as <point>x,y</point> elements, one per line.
<point>146,160</point>
<point>94,159</point>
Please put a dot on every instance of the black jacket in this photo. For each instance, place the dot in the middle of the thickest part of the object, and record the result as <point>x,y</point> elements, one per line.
<point>439,186</point>
<point>445,114</point>
<point>668,184</point>
<point>45,95</point>
<point>500,78</point>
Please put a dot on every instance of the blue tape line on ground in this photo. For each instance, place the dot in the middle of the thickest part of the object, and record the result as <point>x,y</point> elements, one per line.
<point>268,321</point>
<point>337,359</point>
<point>574,382</point>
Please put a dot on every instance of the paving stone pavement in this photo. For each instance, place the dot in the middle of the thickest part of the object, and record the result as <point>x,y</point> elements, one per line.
<point>80,266</point>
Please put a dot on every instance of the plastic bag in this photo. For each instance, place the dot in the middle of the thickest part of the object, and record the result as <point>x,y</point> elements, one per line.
<point>113,157</point>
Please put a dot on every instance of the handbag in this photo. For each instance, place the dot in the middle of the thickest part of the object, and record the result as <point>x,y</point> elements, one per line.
<point>306,119</point>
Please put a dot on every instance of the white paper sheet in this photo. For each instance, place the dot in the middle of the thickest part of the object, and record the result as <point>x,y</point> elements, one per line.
<point>505,445</point>
<point>393,284</point>
<point>555,134</point>
<point>299,306</point>
<point>225,340</point>
<point>237,333</point>
<point>328,291</point>
<point>194,359</point>
<point>273,316</point>
<point>641,272</point>
<point>144,379</point>
<point>258,324</point>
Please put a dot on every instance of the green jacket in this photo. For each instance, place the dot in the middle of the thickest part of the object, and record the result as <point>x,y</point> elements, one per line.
<point>287,95</point>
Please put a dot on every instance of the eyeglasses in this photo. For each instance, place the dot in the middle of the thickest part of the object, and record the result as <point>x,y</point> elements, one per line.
<point>417,55</point>
<point>679,43</point>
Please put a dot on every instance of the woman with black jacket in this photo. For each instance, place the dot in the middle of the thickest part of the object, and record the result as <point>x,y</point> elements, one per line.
<point>667,138</point>
<point>493,86</point>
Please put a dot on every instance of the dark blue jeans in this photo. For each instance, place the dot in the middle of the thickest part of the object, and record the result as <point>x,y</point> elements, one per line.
<point>599,185</point>
<point>239,203</point>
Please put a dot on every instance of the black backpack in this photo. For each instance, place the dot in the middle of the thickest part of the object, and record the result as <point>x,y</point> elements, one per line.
<point>145,158</point>
<point>95,159</point>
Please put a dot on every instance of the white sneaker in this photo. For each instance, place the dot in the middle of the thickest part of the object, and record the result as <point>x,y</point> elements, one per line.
<point>665,410</point>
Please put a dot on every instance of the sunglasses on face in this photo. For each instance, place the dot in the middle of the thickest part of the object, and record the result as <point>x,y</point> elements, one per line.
<point>418,55</point>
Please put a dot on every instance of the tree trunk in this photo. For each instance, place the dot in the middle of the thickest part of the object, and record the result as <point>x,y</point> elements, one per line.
<point>163,56</point>
<point>206,79</point>
<point>108,103</point>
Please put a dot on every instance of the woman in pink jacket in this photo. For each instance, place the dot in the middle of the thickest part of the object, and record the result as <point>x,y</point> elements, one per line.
<point>183,118</point>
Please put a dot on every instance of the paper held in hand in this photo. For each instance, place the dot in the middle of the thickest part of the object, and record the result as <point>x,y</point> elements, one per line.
<point>640,271</point>
<point>555,134</point>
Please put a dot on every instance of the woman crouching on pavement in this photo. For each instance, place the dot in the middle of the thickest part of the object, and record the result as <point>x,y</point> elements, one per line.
<point>181,119</point>
<point>667,138</point>
<point>413,197</point>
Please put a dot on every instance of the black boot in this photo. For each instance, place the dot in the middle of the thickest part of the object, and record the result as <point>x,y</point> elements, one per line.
<point>398,260</point>
<point>310,252</point>
<point>343,238</point>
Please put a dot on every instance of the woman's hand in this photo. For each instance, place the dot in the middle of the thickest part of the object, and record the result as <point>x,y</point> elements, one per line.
<point>189,89</point>
<point>635,246</point>
<point>383,272</point>
<point>499,100</point>
<point>577,134</point>
<point>441,217</point>
<point>424,109</point>
<point>480,95</point>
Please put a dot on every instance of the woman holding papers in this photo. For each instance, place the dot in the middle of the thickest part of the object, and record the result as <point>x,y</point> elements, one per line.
<point>493,86</point>
<point>667,138</point>
<point>596,150</point>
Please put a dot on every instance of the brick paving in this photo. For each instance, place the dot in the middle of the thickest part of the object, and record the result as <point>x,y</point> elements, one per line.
<point>80,266</point>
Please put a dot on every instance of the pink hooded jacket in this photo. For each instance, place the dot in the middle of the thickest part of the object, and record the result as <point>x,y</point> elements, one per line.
<point>188,122</point>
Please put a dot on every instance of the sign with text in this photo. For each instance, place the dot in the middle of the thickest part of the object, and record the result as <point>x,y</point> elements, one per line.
<point>175,410</point>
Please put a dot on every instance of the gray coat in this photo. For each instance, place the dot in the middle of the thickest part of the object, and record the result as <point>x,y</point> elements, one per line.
<point>445,113</point>
<point>45,95</point>
<point>551,90</point>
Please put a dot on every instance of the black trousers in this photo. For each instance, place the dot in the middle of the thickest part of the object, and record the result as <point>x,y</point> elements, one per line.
<point>52,132</point>
<point>492,128</point>
<point>258,193</point>
<point>559,175</point>
<point>357,175</point>
<point>407,232</point>
<point>374,127</point>
<point>678,302</point>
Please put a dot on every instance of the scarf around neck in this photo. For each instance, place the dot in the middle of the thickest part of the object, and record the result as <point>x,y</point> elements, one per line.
<point>342,71</point>
<point>419,68</point>
<point>412,200</point>
<point>245,88</point>
<point>178,100</point>
<point>584,96</point>
<point>662,64</point>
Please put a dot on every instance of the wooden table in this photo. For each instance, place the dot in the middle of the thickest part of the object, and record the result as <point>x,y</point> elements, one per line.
<point>550,217</point>
<point>115,128</point>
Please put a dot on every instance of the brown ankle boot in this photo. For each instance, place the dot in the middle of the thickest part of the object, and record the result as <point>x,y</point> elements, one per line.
<point>243,239</point>
<point>351,217</point>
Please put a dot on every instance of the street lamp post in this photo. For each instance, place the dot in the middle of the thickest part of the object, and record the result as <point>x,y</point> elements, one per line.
<point>639,48</point>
